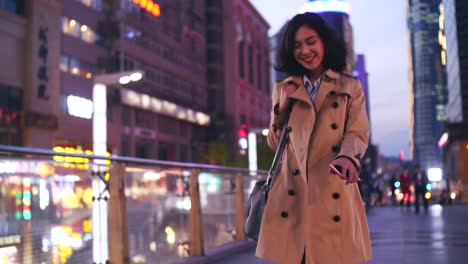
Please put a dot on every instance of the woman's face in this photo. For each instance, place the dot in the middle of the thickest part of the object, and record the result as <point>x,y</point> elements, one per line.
<point>308,48</point>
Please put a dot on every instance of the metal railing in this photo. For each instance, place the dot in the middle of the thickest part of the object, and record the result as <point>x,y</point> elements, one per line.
<point>155,211</point>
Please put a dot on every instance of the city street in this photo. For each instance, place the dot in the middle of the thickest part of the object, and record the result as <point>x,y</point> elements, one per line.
<point>400,236</point>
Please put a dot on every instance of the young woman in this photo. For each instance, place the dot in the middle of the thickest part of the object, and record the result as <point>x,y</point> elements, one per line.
<point>313,215</point>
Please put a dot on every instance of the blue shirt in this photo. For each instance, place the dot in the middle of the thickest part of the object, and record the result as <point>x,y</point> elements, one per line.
<point>312,88</point>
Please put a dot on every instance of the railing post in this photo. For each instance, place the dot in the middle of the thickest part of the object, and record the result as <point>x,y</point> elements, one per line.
<point>118,233</point>
<point>195,217</point>
<point>240,207</point>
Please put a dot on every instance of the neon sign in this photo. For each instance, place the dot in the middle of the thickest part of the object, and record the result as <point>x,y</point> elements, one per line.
<point>75,162</point>
<point>149,6</point>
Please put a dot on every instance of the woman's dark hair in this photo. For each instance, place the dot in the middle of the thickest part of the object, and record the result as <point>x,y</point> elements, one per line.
<point>334,46</point>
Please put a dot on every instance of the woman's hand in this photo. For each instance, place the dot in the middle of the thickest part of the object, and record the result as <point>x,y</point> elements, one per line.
<point>348,169</point>
<point>287,88</point>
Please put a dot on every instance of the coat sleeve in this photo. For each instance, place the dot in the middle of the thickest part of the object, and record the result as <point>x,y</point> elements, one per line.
<point>357,130</point>
<point>274,130</point>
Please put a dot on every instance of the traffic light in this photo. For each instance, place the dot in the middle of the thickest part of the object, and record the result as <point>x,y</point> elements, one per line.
<point>243,143</point>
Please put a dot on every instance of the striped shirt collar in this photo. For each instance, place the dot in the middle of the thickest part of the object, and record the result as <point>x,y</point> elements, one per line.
<point>312,88</point>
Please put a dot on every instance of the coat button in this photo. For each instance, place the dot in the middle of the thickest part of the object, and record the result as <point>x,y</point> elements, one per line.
<point>334,126</point>
<point>289,129</point>
<point>336,196</point>
<point>334,105</point>
<point>332,93</point>
<point>336,218</point>
<point>336,149</point>
<point>284,214</point>
<point>291,193</point>
<point>295,172</point>
<point>276,109</point>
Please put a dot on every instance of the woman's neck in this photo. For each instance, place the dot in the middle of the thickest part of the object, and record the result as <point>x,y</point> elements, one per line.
<point>314,75</point>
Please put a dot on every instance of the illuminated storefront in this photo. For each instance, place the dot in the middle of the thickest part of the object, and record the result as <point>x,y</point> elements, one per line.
<point>9,249</point>
<point>51,193</point>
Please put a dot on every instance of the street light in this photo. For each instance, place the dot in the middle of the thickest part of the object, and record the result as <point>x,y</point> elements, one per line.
<point>100,217</point>
<point>252,145</point>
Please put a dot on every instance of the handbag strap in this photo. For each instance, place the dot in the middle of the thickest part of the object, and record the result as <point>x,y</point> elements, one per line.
<point>273,172</point>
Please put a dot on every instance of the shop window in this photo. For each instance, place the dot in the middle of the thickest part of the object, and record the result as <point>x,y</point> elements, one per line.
<point>183,153</point>
<point>74,28</point>
<point>94,4</point>
<point>124,146</point>
<point>166,151</point>
<point>259,71</point>
<point>13,6</point>
<point>241,59</point>
<point>144,149</point>
<point>143,118</point>
<point>251,65</point>
<point>64,63</point>
<point>75,66</point>
<point>126,115</point>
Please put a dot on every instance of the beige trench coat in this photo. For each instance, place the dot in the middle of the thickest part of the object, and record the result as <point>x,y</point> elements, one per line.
<point>311,211</point>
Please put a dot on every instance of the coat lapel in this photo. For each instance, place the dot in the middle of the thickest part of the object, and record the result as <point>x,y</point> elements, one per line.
<point>328,85</point>
<point>302,123</point>
<point>301,93</point>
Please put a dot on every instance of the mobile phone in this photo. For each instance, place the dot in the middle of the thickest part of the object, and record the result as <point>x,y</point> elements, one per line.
<point>337,170</point>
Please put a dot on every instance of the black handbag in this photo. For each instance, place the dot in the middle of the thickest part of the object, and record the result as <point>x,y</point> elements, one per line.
<point>259,195</point>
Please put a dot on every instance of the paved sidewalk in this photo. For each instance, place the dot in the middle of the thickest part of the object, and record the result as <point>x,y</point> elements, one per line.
<point>402,237</point>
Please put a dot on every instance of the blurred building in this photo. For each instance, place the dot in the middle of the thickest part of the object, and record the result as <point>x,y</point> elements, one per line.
<point>29,81</point>
<point>427,81</point>
<point>456,149</point>
<point>54,49</point>
<point>360,72</point>
<point>275,43</point>
<point>372,154</point>
<point>165,116</point>
<point>238,70</point>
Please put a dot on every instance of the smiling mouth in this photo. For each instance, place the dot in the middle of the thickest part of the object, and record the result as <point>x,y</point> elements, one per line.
<point>309,59</point>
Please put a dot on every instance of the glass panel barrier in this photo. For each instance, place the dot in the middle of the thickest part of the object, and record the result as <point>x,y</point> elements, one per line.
<point>46,207</point>
<point>158,208</point>
<point>218,206</point>
<point>45,212</point>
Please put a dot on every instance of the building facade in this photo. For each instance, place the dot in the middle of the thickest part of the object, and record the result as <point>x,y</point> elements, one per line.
<point>427,81</point>
<point>275,43</point>
<point>238,70</point>
<point>165,115</point>
<point>371,157</point>
<point>456,149</point>
<point>361,73</point>
<point>55,49</point>
<point>29,87</point>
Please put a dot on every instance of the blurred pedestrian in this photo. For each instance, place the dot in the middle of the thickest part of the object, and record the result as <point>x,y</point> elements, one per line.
<point>365,185</point>
<point>392,183</point>
<point>405,184</point>
<point>312,215</point>
<point>379,188</point>
<point>420,187</point>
